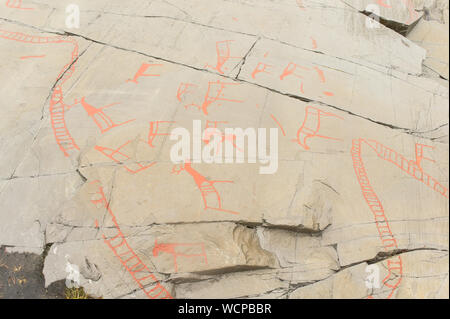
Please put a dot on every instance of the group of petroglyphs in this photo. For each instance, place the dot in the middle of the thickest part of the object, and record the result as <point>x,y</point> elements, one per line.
<point>309,127</point>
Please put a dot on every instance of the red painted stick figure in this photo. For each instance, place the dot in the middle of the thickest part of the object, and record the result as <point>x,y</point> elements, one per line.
<point>206,187</point>
<point>223,55</point>
<point>102,120</point>
<point>171,249</point>
<point>119,157</point>
<point>311,126</point>
<point>141,71</point>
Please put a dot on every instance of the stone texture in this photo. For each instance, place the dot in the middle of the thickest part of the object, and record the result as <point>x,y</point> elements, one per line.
<point>362,120</point>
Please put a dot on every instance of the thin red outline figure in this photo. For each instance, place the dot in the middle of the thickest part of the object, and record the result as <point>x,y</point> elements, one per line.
<point>111,153</point>
<point>290,70</point>
<point>420,156</point>
<point>141,73</point>
<point>99,117</point>
<point>225,138</point>
<point>260,70</point>
<point>140,273</point>
<point>410,167</point>
<point>170,249</point>
<point>305,132</point>
<point>205,186</point>
<point>57,105</point>
<point>210,98</point>
<point>153,131</point>
<point>31,56</point>
<point>183,89</point>
<point>279,124</point>
<point>223,55</point>
<point>17,4</point>
<point>395,268</point>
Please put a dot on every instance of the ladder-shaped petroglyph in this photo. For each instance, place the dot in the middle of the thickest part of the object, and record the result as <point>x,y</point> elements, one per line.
<point>140,273</point>
<point>57,106</point>
<point>412,168</point>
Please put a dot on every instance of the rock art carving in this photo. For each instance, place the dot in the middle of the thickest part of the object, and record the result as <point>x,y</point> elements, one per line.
<point>176,250</point>
<point>206,187</point>
<point>57,105</point>
<point>311,126</point>
<point>141,274</point>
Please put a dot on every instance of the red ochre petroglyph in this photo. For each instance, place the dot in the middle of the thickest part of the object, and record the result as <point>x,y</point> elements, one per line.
<point>213,94</point>
<point>16,4</point>
<point>412,168</point>
<point>311,126</point>
<point>291,69</point>
<point>206,187</point>
<point>420,156</point>
<point>223,55</point>
<point>154,131</point>
<point>213,130</point>
<point>260,68</point>
<point>183,89</point>
<point>57,106</point>
<point>119,157</point>
<point>102,120</point>
<point>32,56</point>
<point>172,249</point>
<point>141,72</point>
<point>128,258</point>
<point>395,269</point>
